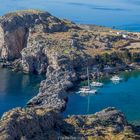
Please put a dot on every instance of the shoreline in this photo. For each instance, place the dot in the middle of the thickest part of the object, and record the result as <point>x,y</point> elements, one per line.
<point>106,28</point>
<point>60,50</point>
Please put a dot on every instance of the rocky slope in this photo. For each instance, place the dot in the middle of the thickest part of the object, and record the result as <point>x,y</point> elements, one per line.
<point>15,29</point>
<point>35,41</point>
<point>29,124</point>
<point>108,124</point>
<point>42,123</point>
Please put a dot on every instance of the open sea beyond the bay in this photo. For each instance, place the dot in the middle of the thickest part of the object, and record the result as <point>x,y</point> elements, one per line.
<point>122,14</point>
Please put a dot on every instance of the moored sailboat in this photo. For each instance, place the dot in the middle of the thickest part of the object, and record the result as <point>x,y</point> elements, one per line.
<point>87,89</point>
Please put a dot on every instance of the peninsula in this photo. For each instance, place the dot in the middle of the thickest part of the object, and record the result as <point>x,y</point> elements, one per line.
<point>34,41</point>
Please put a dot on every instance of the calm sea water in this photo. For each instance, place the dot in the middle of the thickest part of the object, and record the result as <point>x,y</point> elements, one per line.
<point>123,14</point>
<point>125,96</point>
<point>16,89</point>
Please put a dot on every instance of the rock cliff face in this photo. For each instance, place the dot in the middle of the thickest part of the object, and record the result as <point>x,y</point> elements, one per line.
<point>21,124</point>
<point>15,28</point>
<point>52,92</point>
<point>41,43</point>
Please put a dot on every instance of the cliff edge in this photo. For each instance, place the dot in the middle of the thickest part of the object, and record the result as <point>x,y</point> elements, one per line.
<point>15,28</point>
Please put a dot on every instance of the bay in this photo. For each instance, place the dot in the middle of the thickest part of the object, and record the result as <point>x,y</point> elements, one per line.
<point>124,96</point>
<point>16,89</point>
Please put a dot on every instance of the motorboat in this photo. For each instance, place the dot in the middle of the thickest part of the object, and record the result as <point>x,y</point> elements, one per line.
<point>116,78</point>
<point>84,88</point>
<point>87,90</point>
<point>96,84</point>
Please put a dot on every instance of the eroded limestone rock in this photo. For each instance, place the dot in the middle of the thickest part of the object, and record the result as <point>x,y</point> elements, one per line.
<point>29,124</point>
<point>44,123</point>
<point>16,27</point>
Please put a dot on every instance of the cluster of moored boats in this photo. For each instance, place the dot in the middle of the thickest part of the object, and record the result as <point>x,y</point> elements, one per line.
<point>90,88</point>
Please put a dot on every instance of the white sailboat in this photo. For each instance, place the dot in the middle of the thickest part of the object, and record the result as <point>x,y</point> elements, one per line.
<point>87,89</point>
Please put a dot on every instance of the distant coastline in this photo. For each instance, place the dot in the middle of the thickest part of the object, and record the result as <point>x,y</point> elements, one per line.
<point>122,14</point>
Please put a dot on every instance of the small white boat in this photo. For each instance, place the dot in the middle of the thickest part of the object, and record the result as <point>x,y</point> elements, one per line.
<point>87,90</point>
<point>116,78</point>
<point>96,84</point>
<point>84,88</point>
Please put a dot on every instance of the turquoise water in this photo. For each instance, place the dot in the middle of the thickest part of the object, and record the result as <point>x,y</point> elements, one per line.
<point>125,96</point>
<point>123,14</point>
<point>16,89</point>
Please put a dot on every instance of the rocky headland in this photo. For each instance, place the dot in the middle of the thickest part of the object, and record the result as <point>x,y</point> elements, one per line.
<point>34,41</point>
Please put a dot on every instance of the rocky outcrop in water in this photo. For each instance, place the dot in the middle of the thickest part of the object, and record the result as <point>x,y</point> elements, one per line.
<point>53,90</point>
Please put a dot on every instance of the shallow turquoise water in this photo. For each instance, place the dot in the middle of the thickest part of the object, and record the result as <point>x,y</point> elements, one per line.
<point>16,89</point>
<point>123,14</point>
<point>124,96</point>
